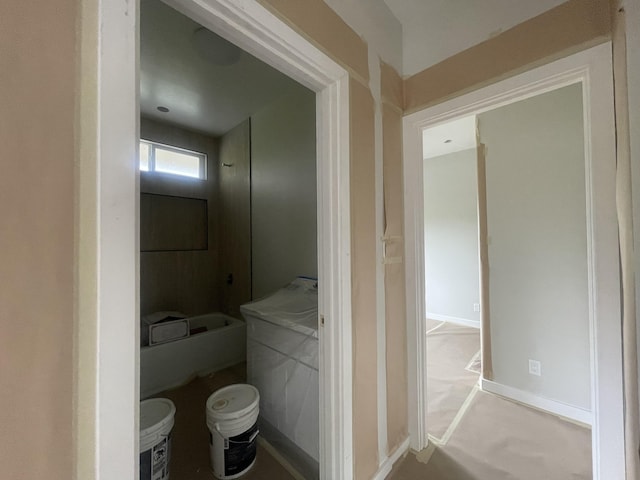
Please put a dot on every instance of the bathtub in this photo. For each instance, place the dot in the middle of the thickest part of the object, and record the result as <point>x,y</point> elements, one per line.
<point>172,364</point>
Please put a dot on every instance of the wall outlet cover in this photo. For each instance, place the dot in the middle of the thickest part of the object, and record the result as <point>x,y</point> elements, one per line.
<point>476,307</point>
<point>535,368</point>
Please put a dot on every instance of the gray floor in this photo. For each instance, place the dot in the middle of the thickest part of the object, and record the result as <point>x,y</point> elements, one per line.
<point>495,438</point>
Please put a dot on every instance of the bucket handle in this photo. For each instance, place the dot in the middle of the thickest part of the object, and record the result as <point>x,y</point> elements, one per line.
<point>251,439</point>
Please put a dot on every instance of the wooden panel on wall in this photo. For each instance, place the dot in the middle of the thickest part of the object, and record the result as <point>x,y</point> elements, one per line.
<point>169,223</point>
<point>171,279</point>
<point>235,218</point>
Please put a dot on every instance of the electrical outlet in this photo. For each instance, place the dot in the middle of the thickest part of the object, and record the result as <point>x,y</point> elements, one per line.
<point>476,307</point>
<point>535,368</point>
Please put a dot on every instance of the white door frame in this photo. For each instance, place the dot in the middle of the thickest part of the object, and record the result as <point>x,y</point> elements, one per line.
<point>593,69</point>
<point>107,391</point>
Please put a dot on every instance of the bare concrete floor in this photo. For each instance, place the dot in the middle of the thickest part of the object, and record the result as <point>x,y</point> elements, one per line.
<point>190,435</point>
<point>495,438</point>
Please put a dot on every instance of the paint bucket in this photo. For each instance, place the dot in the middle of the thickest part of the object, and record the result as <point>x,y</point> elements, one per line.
<point>232,419</point>
<point>156,422</point>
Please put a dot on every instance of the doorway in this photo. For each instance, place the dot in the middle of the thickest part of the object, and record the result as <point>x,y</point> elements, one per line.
<point>592,70</point>
<point>109,186</point>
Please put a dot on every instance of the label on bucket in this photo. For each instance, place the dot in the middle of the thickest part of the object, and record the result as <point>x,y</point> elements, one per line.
<point>240,451</point>
<point>154,463</point>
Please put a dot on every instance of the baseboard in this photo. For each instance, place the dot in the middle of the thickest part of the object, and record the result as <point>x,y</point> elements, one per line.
<point>457,320</point>
<point>552,406</point>
<point>280,459</point>
<point>388,463</point>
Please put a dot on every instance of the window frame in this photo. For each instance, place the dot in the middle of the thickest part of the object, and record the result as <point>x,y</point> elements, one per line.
<point>202,157</point>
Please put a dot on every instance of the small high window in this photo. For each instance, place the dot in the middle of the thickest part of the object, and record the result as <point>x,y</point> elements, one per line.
<point>156,157</point>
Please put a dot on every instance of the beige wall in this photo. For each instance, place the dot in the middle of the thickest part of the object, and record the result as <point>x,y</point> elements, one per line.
<point>315,20</point>
<point>569,27</point>
<point>37,74</point>
<point>37,70</point>
<point>395,303</point>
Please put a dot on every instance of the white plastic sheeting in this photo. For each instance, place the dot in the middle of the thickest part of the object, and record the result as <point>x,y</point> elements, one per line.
<point>282,361</point>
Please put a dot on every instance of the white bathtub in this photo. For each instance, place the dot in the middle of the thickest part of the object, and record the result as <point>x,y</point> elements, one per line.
<point>172,364</point>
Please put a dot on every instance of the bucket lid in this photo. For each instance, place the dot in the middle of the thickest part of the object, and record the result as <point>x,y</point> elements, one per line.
<point>155,413</point>
<point>233,401</point>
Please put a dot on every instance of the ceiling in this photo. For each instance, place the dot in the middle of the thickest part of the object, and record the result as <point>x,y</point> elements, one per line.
<point>199,94</point>
<point>433,30</point>
<point>449,137</point>
<point>212,98</point>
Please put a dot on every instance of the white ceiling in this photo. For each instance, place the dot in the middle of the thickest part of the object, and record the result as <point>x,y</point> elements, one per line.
<point>433,30</point>
<point>213,99</point>
<point>449,137</point>
<point>200,95</point>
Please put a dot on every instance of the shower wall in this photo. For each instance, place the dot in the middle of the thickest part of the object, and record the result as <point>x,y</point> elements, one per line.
<point>180,274</point>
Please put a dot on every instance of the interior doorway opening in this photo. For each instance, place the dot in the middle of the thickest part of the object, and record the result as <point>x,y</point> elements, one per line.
<point>590,71</point>
<point>521,176</point>
<point>115,402</point>
<point>228,230</point>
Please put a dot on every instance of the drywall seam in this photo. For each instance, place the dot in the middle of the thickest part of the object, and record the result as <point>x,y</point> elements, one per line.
<point>625,223</point>
<point>317,22</point>
<point>483,246</point>
<point>85,255</point>
<point>391,87</point>
<point>364,259</point>
<point>570,27</point>
<point>375,22</point>
<point>395,297</point>
<point>375,88</point>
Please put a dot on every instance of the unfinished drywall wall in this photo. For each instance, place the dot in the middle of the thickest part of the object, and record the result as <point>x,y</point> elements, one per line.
<point>318,22</point>
<point>37,147</point>
<point>537,237</point>
<point>179,279</point>
<point>570,27</point>
<point>374,21</point>
<point>363,277</point>
<point>451,237</point>
<point>394,271</point>
<point>283,192</point>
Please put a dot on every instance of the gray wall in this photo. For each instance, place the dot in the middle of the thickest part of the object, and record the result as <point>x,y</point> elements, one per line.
<point>235,218</point>
<point>181,280</point>
<point>283,192</point>
<point>451,236</point>
<point>537,244</point>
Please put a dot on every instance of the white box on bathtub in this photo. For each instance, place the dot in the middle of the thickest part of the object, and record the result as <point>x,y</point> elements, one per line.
<point>168,331</point>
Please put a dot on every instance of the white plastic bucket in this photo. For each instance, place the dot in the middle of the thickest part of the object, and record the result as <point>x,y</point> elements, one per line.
<point>156,422</point>
<point>232,418</point>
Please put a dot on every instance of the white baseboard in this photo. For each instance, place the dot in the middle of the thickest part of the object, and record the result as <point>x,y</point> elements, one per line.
<point>388,463</point>
<point>552,406</point>
<point>457,320</point>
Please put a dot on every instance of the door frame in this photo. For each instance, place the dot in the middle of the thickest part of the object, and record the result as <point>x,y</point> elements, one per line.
<point>593,69</point>
<point>107,223</point>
